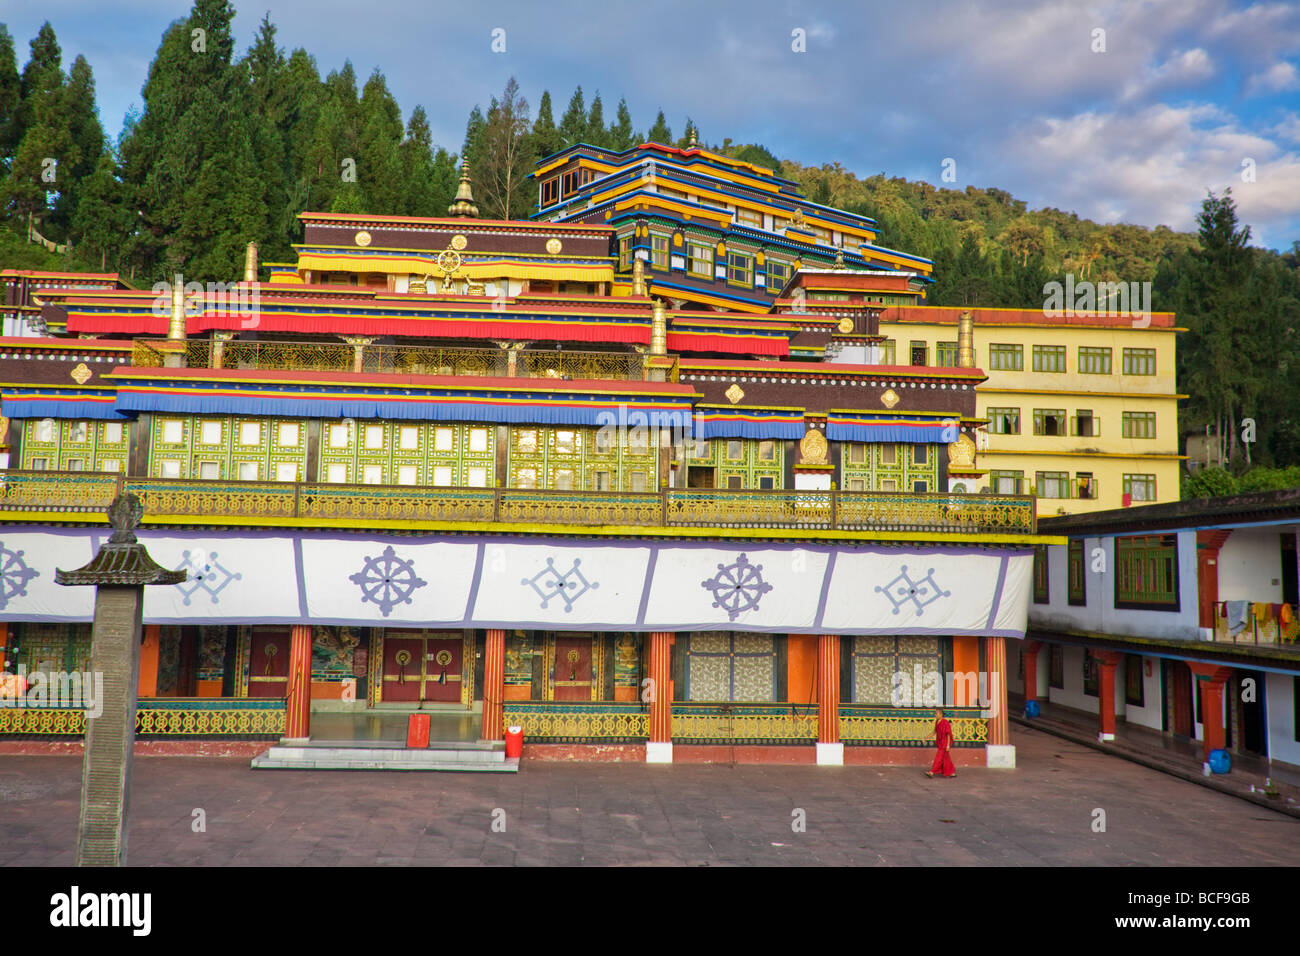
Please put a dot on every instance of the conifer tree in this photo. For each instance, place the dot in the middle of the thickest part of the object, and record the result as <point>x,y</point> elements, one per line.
<point>597,135</point>
<point>379,160</point>
<point>502,189</point>
<point>546,137</point>
<point>621,136</point>
<point>573,125</point>
<point>659,132</point>
<point>103,222</point>
<point>10,97</point>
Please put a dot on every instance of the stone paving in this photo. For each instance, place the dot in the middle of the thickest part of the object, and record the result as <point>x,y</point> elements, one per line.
<point>632,814</point>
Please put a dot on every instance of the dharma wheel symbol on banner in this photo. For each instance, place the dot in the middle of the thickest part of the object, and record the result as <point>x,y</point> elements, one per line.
<point>737,587</point>
<point>921,593</point>
<point>387,581</point>
<point>14,575</point>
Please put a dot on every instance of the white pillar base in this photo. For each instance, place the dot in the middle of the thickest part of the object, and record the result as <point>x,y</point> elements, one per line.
<point>659,751</point>
<point>830,755</point>
<point>1105,737</point>
<point>1000,756</point>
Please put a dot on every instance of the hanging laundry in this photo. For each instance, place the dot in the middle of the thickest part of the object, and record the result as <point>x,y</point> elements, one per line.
<point>1286,615</point>
<point>1236,613</point>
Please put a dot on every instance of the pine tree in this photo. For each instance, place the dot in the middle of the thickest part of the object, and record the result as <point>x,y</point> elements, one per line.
<point>573,125</point>
<point>659,132</point>
<point>546,138</point>
<point>502,189</point>
<point>86,143</point>
<point>470,149</point>
<point>102,228</point>
<point>597,135</point>
<point>429,177</point>
<point>10,97</point>
<point>42,74</point>
<point>379,161</point>
<point>621,136</point>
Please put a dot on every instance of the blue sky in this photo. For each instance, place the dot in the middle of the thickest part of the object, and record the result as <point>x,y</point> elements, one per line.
<point>1184,93</point>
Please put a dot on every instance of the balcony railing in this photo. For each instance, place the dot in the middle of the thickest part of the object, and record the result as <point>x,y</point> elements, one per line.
<point>396,359</point>
<point>212,502</point>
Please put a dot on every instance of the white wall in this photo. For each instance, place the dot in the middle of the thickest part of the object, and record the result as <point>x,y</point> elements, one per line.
<point>1099,615</point>
<point>1279,701</point>
<point>1150,714</point>
<point>1250,567</point>
<point>1072,694</point>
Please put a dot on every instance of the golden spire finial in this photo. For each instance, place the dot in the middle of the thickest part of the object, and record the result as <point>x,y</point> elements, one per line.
<point>250,263</point>
<point>966,340</point>
<point>659,328</point>
<point>464,204</point>
<point>692,134</point>
<point>638,278</point>
<point>177,326</point>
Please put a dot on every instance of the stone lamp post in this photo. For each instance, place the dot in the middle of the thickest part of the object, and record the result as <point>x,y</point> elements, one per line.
<point>119,573</point>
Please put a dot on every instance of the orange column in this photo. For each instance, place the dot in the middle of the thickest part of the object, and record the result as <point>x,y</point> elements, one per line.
<point>965,660</point>
<point>995,663</point>
<point>1031,649</point>
<point>297,723</point>
<point>494,686</point>
<point>828,688</point>
<point>148,682</point>
<point>1107,661</point>
<point>1211,680</point>
<point>659,748</point>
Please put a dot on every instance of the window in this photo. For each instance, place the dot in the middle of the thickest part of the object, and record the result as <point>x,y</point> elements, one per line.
<point>526,441</point>
<point>1094,361</point>
<point>724,666</point>
<point>478,439</point>
<point>637,481</point>
<point>1087,484</point>
<point>374,437</point>
<point>1085,424</point>
<point>173,431</point>
<point>209,470</point>
<point>44,431</point>
<point>407,474</point>
<point>1140,487</point>
<point>550,191</point>
<point>372,474</point>
<point>566,443</point>
<point>1006,358</point>
<point>767,483</point>
<point>1139,361</point>
<point>889,454</point>
<point>78,432</point>
<point>1006,482</point>
<point>1134,692</point>
<point>476,477</point>
<point>856,484</point>
<point>920,454</point>
<point>1049,421</point>
<point>920,353</point>
<point>857,453</point>
<point>945,354</point>
<point>1004,421</point>
<point>749,217</point>
<point>339,437</point>
<point>1139,424</point>
<point>248,471</point>
<point>1041,594</point>
<point>1056,666</point>
<point>111,464</point>
<point>740,269</point>
<point>767,451</point>
<point>600,481</point>
<point>702,449</point>
<point>442,475</point>
<point>888,484</point>
<point>40,464</point>
<point>443,439</point>
<point>1049,358</point>
<point>920,486</point>
<point>1091,673</point>
<point>624,252</point>
<point>735,449</point>
<point>1146,572</point>
<point>887,356</point>
<point>250,433</point>
<point>735,482</point>
<point>1078,588</point>
<point>658,251</point>
<point>887,670</point>
<point>286,471</point>
<point>604,441</point>
<point>569,183</point>
<point>701,260</point>
<point>209,433</point>
<point>1052,484</point>
<point>75,464</point>
<point>170,468</point>
<point>336,474</point>
<point>288,434</point>
<point>778,274</point>
<point>408,438</point>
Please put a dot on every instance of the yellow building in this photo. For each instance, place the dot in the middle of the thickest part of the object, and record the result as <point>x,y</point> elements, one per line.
<point>1082,409</point>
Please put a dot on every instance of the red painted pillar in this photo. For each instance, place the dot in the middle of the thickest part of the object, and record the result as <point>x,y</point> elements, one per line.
<point>297,721</point>
<point>828,688</point>
<point>4,645</point>
<point>1211,679</point>
<point>147,685</point>
<point>1031,649</point>
<point>659,749</point>
<point>995,663</point>
<point>494,686</point>
<point>1107,661</point>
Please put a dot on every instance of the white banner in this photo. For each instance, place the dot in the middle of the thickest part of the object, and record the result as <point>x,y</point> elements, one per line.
<point>561,586</point>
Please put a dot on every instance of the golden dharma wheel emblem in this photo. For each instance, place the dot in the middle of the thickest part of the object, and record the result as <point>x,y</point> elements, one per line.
<point>362,238</point>
<point>846,326</point>
<point>81,373</point>
<point>890,398</point>
<point>553,246</point>
<point>573,657</point>
<point>812,448</point>
<point>459,242</point>
<point>735,393</point>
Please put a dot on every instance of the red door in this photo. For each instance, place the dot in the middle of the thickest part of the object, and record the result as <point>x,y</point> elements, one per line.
<point>268,662</point>
<point>1207,587</point>
<point>442,669</point>
<point>1183,714</point>
<point>573,668</point>
<point>403,671</point>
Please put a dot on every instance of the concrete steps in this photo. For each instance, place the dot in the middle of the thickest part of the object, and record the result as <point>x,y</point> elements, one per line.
<point>449,755</point>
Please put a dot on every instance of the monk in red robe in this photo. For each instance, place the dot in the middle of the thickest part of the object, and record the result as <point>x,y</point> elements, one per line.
<point>942,735</point>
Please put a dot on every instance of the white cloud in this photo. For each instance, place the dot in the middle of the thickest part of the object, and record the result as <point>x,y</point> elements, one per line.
<point>1278,78</point>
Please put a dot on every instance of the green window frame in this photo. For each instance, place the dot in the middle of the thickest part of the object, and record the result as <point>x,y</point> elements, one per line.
<point>888,352</point>
<point>625,252</point>
<point>1093,360</point>
<point>740,269</point>
<point>778,274</point>
<point>658,251</point>
<point>1049,358</point>
<point>1146,572</point>
<point>700,262</point>
<point>1042,594</point>
<point>1006,358</point>
<point>1050,422</point>
<point>918,353</point>
<point>1007,482</point>
<point>1139,424</point>
<point>1139,361</point>
<point>1077,592</point>
<point>1140,487</point>
<point>1052,484</point>
<point>945,354</point>
<point>1003,421</point>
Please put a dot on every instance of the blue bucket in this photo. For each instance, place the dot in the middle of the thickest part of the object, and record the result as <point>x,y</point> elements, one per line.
<point>1220,762</point>
<point>1031,708</point>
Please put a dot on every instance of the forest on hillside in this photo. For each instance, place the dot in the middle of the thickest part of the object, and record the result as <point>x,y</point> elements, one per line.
<point>230,146</point>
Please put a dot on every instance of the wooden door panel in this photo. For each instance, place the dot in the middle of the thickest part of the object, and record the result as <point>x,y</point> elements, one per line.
<point>402,669</point>
<point>443,664</point>
<point>572,674</point>
<point>268,663</point>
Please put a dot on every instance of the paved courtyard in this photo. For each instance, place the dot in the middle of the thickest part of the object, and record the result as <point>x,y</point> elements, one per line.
<point>631,814</point>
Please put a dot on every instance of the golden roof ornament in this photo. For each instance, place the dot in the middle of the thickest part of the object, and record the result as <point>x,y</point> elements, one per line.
<point>961,453</point>
<point>890,398</point>
<point>464,204</point>
<point>692,136</point>
<point>966,340</point>
<point>813,448</point>
<point>735,393</point>
<point>839,258</point>
<point>250,262</point>
<point>659,329</point>
<point>638,278</point>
